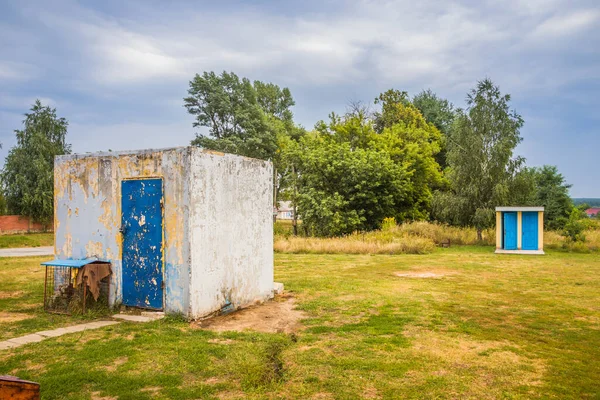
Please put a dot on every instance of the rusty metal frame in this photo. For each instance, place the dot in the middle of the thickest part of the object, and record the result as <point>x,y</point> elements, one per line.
<point>84,289</point>
<point>45,287</point>
<point>46,309</point>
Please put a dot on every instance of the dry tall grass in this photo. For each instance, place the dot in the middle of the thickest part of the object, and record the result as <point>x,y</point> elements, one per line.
<point>554,240</point>
<point>350,245</point>
<point>440,232</point>
<point>389,241</point>
<point>415,238</point>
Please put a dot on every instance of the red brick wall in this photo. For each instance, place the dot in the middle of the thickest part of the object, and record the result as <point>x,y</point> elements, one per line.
<point>18,224</point>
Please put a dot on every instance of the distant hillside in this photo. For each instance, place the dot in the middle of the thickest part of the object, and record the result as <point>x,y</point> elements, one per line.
<point>589,201</point>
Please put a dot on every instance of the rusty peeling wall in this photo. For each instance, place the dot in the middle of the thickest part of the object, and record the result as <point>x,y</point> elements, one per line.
<point>87,201</point>
<point>231,231</point>
<point>218,231</point>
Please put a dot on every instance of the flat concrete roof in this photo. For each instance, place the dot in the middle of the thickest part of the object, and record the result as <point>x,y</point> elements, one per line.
<point>121,153</point>
<point>519,208</point>
<point>116,153</point>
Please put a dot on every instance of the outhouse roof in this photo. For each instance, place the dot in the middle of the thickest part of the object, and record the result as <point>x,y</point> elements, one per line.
<point>517,208</point>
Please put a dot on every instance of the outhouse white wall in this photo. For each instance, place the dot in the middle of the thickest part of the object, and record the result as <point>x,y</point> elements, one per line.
<point>231,231</point>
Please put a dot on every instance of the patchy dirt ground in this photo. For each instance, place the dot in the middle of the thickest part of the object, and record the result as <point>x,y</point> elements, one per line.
<point>6,317</point>
<point>275,316</point>
<point>98,396</point>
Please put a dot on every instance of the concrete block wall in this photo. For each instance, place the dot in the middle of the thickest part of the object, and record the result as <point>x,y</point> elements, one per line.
<point>217,222</point>
<point>231,231</point>
<point>87,209</point>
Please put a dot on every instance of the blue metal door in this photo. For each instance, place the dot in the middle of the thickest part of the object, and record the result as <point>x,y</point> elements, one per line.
<point>510,231</point>
<point>530,231</point>
<point>141,227</point>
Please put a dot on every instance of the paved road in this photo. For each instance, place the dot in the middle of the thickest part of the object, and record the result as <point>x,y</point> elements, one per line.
<point>27,252</point>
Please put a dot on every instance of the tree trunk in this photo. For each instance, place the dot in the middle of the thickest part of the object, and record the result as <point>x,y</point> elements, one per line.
<point>295,221</point>
<point>479,235</point>
<point>275,208</point>
<point>294,217</point>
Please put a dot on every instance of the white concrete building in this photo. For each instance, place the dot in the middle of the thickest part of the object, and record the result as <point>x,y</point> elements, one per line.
<point>186,230</point>
<point>285,210</point>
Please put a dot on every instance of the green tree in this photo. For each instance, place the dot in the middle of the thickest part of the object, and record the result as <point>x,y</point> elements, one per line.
<point>552,192</point>
<point>342,190</point>
<point>439,112</point>
<point>404,152</point>
<point>523,189</point>
<point>480,155</point>
<point>413,143</point>
<point>249,119</point>
<point>354,129</point>
<point>3,205</point>
<point>286,171</point>
<point>390,101</point>
<point>575,225</point>
<point>230,108</point>
<point>27,176</point>
<point>275,101</point>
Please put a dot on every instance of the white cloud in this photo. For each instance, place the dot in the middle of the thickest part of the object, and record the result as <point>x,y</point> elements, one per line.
<point>393,40</point>
<point>137,60</point>
<point>129,136</point>
<point>445,45</point>
<point>15,71</point>
<point>119,74</point>
<point>564,25</point>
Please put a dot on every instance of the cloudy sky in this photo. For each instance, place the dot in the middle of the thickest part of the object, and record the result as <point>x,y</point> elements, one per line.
<point>118,70</point>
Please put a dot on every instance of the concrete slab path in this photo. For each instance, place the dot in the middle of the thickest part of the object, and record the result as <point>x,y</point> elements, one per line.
<point>27,252</point>
<point>39,336</point>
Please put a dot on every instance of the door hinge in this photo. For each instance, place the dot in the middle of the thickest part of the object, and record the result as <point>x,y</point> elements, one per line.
<point>162,285</point>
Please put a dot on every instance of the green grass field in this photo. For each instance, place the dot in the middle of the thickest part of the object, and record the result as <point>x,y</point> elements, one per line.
<point>27,240</point>
<point>474,325</point>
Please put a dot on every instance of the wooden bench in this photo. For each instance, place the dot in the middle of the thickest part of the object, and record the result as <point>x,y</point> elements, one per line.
<point>445,243</point>
<point>13,388</point>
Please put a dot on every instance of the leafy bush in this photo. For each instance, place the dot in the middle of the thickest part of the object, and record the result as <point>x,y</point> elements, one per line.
<point>283,228</point>
<point>344,190</point>
<point>554,240</point>
<point>575,226</point>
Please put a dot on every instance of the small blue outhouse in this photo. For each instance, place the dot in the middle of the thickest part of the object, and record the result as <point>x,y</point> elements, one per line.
<point>520,230</point>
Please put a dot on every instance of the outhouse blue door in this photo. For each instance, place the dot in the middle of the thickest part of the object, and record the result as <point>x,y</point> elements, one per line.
<point>510,231</point>
<point>141,227</point>
<point>530,230</point>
